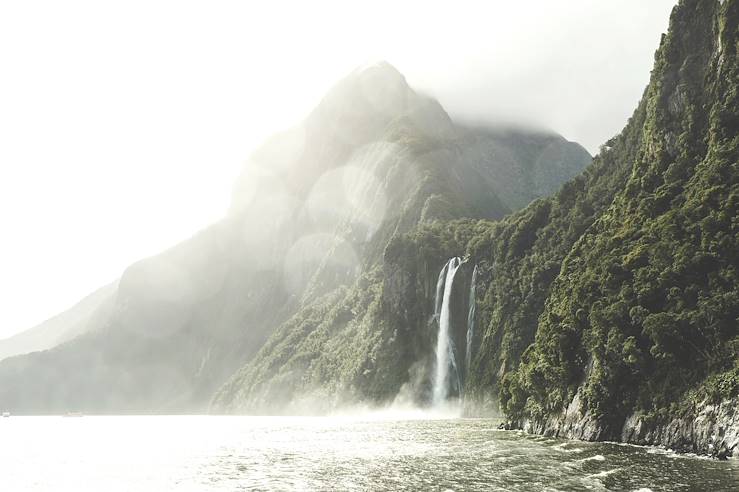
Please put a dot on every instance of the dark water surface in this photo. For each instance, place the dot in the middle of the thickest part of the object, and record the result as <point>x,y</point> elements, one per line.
<point>369,452</point>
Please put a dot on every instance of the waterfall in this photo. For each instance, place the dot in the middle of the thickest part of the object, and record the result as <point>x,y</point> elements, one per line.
<point>470,323</point>
<point>445,359</point>
<point>439,291</point>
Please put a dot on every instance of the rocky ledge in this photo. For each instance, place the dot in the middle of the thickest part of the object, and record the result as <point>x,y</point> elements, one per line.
<point>710,430</point>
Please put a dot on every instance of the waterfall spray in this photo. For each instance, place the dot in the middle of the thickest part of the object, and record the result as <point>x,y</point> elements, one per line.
<point>445,359</point>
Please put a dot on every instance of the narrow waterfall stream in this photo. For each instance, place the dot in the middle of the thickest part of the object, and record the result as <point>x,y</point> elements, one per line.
<point>445,360</point>
<point>440,292</point>
<point>470,323</point>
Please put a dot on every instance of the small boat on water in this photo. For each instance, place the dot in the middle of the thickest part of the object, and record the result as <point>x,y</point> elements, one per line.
<point>6,414</point>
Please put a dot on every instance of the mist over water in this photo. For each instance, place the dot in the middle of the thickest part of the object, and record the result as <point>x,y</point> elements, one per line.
<point>387,450</point>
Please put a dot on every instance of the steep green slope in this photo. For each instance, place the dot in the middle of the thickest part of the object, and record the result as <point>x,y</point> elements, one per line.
<point>644,313</point>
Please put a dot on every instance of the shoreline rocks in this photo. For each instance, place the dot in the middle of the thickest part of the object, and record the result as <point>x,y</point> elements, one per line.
<point>713,430</point>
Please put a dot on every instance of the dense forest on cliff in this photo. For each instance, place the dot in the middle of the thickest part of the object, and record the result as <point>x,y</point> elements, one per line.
<point>643,313</point>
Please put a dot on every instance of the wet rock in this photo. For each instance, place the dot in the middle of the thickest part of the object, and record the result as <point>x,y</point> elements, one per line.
<point>723,452</point>
<point>712,430</point>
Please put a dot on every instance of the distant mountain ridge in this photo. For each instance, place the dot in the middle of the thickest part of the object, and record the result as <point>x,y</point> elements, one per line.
<point>62,327</point>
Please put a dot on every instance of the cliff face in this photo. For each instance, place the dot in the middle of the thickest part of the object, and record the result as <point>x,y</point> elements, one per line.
<point>710,429</point>
<point>310,218</point>
<point>637,336</point>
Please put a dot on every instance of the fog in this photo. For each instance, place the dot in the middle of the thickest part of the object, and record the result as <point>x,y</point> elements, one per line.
<point>123,127</point>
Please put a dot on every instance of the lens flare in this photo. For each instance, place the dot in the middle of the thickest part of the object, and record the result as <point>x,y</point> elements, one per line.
<point>316,258</point>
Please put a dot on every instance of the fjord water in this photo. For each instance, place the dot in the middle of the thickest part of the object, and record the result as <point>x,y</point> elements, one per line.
<point>370,452</point>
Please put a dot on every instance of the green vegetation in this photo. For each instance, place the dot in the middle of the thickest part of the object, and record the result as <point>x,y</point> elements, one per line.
<point>644,310</point>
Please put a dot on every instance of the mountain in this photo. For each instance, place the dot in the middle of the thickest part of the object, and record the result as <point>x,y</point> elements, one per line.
<point>609,311</point>
<point>310,220</point>
<point>62,327</point>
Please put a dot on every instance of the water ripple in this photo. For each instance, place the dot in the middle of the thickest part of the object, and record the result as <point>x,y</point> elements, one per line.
<point>291,453</point>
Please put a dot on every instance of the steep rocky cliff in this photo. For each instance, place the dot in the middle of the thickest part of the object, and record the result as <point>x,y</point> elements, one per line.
<point>638,337</point>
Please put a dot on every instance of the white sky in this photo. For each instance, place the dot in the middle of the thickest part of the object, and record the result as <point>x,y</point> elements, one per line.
<point>123,124</point>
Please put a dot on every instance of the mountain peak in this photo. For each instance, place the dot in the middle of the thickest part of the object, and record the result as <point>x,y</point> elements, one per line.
<point>381,68</point>
<point>375,88</point>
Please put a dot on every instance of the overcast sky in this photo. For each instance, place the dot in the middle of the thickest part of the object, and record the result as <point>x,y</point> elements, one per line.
<point>123,124</point>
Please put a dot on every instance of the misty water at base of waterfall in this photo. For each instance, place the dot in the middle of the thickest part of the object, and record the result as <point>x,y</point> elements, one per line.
<point>381,451</point>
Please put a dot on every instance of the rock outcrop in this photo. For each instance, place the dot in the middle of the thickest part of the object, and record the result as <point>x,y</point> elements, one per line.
<point>709,429</point>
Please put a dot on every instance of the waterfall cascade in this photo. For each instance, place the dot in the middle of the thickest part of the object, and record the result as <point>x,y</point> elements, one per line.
<point>440,291</point>
<point>470,323</point>
<point>447,372</point>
